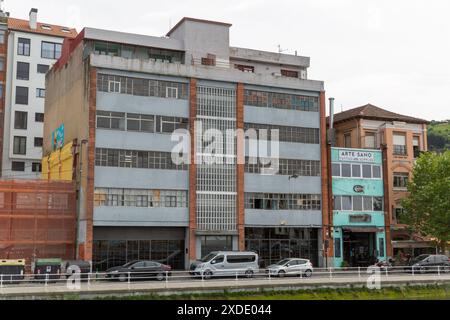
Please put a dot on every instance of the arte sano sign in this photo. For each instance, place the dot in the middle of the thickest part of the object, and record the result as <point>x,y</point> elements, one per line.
<point>361,156</point>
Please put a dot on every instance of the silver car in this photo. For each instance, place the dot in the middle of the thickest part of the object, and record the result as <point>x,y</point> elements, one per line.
<point>226,264</point>
<point>288,267</point>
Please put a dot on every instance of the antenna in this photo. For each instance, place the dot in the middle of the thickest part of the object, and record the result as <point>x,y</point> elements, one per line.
<point>281,50</point>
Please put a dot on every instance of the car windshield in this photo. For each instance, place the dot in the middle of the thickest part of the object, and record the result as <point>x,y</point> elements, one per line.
<point>283,262</point>
<point>209,257</point>
<point>421,257</point>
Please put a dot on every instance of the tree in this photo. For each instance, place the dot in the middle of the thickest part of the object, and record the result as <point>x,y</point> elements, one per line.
<point>427,209</point>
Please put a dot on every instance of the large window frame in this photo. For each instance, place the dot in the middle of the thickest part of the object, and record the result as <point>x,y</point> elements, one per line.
<point>53,50</point>
<point>24,47</point>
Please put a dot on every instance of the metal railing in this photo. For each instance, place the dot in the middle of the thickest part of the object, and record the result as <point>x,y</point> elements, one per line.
<point>49,281</point>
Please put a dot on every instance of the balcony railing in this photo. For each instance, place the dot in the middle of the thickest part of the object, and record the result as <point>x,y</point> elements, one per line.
<point>400,150</point>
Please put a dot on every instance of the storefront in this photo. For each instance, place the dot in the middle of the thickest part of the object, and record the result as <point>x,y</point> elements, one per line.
<point>358,207</point>
<point>116,246</point>
<point>275,244</point>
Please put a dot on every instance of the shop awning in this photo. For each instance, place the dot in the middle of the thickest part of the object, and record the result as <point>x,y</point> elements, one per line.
<point>362,229</point>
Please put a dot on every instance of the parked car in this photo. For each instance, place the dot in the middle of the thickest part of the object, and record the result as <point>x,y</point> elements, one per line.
<point>142,270</point>
<point>226,264</point>
<point>291,267</point>
<point>429,263</point>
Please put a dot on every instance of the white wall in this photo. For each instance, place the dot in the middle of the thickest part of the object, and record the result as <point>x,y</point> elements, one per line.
<point>35,105</point>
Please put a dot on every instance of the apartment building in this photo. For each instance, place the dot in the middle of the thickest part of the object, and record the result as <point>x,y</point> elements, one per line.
<point>402,139</point>
<point>28,49</point>
<point>359,216</point>
<point>119,97</point>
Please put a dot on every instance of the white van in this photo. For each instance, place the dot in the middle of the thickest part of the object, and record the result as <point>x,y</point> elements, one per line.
<point>226,264</point>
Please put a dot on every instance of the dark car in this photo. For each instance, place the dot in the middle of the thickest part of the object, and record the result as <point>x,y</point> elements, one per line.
<point>139,270</point>
<point>429,263</point>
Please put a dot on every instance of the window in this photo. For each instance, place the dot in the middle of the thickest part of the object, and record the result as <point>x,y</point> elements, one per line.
<point>20,120</point>
<point>268,201</point>
<point>369,140</point>
<point>111,120</point>
<point>244,68</point>
<point>165,55</point>
<point>416,147</point>
<point>289,73</point>
<point>400,144</point>
<point>20,145</point>
<point>367,171</point>
<point>40,93</point>
<point>36,167</point>
<point>1,90</point>
<point>50,50</point>
<point>346,170</point>
<point>23,71</point>
<point>401,180</point>
<point>39,117</point>
<point>357,203</point>
<point>18,166</point>
<point>2,64</point>
<point>347,140</point>
<point>398,212</point>
<point>38,142</point>
<point>42,68</point>
<point>337,203</point>
<point>22,95</point>
<point>278,100</point>
<point>367,203</point>
<point>217,260</point>
<point>172,92</point>
<point>23,47</point>
<point>287,133</point>
<point>377,204</point>
<point>114,86</point>
<point>2,36</point>
<point>336,169</point>
<point>241,259</point>
<point>356,171</point>
<point>105,48</point>
<point>286,167</point>
<point>346,203</point>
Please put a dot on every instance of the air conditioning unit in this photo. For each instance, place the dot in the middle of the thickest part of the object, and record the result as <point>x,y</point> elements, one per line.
<point>276,74</point>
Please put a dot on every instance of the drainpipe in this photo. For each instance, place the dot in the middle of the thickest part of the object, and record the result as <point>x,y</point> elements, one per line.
<point>330,144</point>
<point>80,175</point>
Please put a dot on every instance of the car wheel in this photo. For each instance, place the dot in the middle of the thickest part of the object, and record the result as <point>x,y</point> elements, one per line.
<point>249,274</point>
<point>123,277</point>
<point>160,277</point>
<point>207,275</point>
<point>281,274</point>
<point>446,269</point>
<point>308,273</point>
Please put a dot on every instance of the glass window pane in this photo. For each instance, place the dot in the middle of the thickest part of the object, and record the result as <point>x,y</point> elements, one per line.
<point>377,204</point>
<point>368,204</point>
<point>367,171</point>
<point>356,171</point>
<point>346,203</point>
<point>377,172</point>
<point>357,203</point>
<point>346,170</point>
<point>336,170</point>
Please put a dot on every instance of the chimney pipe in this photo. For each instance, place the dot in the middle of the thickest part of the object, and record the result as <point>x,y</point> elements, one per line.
<point>331,113</point>
<point>33,18</point>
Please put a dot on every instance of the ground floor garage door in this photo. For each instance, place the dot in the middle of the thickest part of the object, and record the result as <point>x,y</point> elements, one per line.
<point>117,246</point>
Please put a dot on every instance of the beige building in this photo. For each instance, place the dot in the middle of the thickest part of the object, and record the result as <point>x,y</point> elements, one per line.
<point>402,138</point>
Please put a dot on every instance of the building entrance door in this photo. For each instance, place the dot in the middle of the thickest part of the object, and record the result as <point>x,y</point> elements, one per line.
<point>360,249</point>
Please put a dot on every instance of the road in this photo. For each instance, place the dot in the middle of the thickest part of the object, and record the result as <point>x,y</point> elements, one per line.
<point>175,285</point>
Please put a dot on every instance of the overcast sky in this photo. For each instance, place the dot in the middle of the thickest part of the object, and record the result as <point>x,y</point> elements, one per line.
<point>393,54</point>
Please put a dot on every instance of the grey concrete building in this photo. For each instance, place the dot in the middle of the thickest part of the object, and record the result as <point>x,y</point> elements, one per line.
<point>121,96</point>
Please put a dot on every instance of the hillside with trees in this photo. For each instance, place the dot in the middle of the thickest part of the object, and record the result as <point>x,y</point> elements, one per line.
<point>439,136</point>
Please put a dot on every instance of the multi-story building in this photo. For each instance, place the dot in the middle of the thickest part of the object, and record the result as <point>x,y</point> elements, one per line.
<point>120,96</point>
<point>359,218</point>
<point>28,49</point>
<point>402,139</point>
